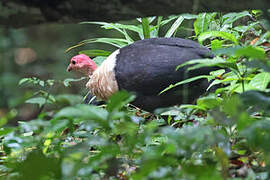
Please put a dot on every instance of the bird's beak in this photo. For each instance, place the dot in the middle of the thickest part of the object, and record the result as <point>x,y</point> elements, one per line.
<point>69,68</point>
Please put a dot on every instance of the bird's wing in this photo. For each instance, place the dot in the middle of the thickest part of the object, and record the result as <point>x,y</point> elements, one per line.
<point>149,66</point>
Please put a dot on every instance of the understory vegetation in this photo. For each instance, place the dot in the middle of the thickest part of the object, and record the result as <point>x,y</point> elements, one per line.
<point>225,134</point>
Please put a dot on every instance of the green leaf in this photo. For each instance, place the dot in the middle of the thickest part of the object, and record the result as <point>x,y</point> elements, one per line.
<point>216,44</point>
<point>174,27</point>
<point>59,126</point>
<point>232,17</point>
<point>3,121</point>
<point>66,82</point>
<point>24,80</point>
<point>146,28</point>
<point>189,16</point>
<point>252,52</point>
<point>112,41</point>
<point>86,113</point>
<point>202,22</point>
<point>258,135</point>
<point>41,83</point>
<point>118,27</point>
<point>118,100</point>
<point>247,51</point>
<point>95,52</point>
<point>199,63</point>
<point>185,81</point>
<point>212,34</point>
<point>37,100</point>
<point>159,20</point>
<point>244,29</point>
<point>5,131</point>
<point>256,98</point>
<point>262,38</point>
<point>42,167</point>
<point>69,99</point>
<point>208,102</point>
<point>260,81</point>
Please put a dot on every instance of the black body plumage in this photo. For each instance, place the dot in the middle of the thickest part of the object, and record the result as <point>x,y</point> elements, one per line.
<point>148,66</point>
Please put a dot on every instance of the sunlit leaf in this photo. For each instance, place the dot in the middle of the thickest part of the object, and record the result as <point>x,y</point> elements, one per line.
<point>260,81</point>
<point>146,28</point>
<point>213,34</point>
<point>23,81</point>
<point>174,27</point>
<point>95,52</point>
<point>216,44</point>
<point>202,22</point>
<point>232,17</point>
<point>252,52</point>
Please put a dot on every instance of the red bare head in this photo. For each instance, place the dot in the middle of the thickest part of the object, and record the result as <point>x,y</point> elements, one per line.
<point>82,63</point>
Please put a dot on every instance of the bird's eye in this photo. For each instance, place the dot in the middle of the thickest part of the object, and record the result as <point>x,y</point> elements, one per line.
<point>73,62</point>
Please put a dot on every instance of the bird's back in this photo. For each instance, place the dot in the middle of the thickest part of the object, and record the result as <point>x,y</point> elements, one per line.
<point>148,66</point>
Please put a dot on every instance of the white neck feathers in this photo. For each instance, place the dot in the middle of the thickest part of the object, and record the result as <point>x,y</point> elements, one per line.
<point>102,83</point>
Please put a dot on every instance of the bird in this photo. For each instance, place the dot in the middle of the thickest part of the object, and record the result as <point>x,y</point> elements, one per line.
<point>145,68</point>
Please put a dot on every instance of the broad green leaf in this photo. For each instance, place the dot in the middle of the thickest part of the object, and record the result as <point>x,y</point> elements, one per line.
<point>257,99</point>
<point>37,100</point>
<point>68,99</point>
<point>247,51</point>
<point>232,17</point>
<point>118,100</point>
<point>260,81</point>
<point>85,113</point>
<point>244,120</point>
<point>216,44</point>
<point>59,126</point>
<point>213,34</point>
<point>208,102</point>
<point>252,52</point>
<point>5,131</point>
<point>174,27</point>
<point>258,135</point>
<point>217,72</point>
<point>42,167</point>
<point>95,52</point>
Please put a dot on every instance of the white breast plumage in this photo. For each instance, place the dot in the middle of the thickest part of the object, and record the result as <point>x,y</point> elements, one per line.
<point>102,82</point>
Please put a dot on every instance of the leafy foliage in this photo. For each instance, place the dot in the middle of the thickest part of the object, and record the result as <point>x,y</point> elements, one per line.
<point>224,135</point>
